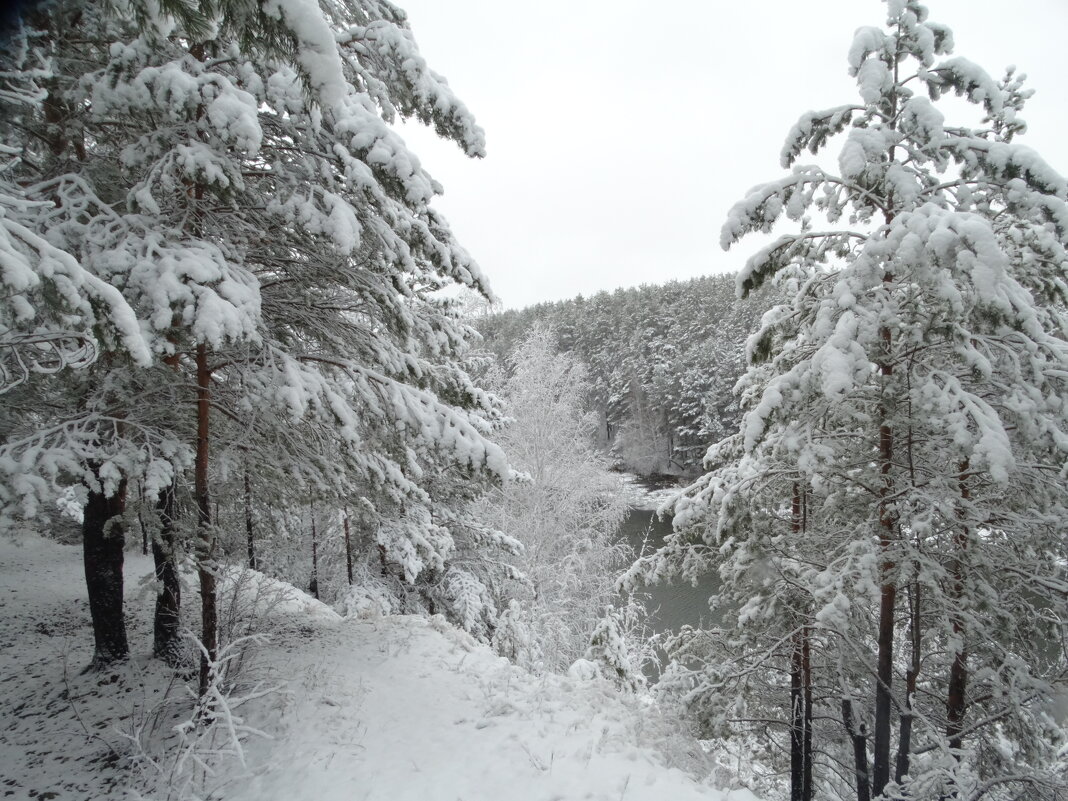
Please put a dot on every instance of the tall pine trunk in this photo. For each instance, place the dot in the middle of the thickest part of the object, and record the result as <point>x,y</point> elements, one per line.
<point>904,741</point>
<point>800,691</point>
<point>250,533</point>
<point>209,619</point>
<point>806,673</point>
<point>348,547</point>
<point>313,585</point>
<point>880,774</point>
<point>956,701</point>
<point>859,739</point>
<point>103,539</point>
<point>166,623</point>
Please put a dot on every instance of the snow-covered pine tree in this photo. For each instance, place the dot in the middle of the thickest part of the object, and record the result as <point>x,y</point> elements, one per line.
<point>275,236</point>
<point>889,521</point>
<point>62,313</point>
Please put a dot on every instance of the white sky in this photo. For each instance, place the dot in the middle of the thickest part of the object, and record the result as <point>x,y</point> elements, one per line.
<point>620,132</point>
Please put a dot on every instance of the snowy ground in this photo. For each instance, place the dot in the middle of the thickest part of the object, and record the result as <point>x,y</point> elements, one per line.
<point>395,708</point>
<point>62,732</point>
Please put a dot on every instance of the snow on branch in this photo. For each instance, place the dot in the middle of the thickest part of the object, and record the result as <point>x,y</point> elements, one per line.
<point>813,129</point>
<point>385,57</point>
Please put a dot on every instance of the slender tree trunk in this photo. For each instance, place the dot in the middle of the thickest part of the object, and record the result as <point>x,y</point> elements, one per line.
<point>166,623</point>
<point>860,751</point>
<point>884,677</point>
<point>348,547</point>
<point>141,519</point>
<point>313,585</point>
<point>250,537</point>
<point>888,588</point>
<point>103,539</point>
<point>382,561</point>
<point>167,618</point>
<point>956,702</point>
<point>806,677</point>
<point>904,742</point>
<point>209,621</point>
<point>797,720</point>
<point>800,692</point>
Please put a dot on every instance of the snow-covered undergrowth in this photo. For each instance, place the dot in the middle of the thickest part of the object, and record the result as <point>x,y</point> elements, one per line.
<point>383,708</point>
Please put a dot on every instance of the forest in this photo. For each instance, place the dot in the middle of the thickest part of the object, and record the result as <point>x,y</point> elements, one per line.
<point>662,362</point>
<point>291,508</point>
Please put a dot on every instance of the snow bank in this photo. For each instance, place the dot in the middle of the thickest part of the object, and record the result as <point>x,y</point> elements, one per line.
<point>262,596</point>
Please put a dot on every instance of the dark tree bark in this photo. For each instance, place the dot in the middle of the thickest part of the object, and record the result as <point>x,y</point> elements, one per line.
<point>888,590</point>
<point>904,742</point>
<point>806,677</point>
<point>956,701</point>
<point>797,722</point>
<point>166,623</point>
<point>103,539</point>
<point>348,548</point>
<point>313,585</point>
<point>860,751</point>
<point>209,619</point>
<point>250,534</point>
<point>800,692</point>
<point>141,518</point>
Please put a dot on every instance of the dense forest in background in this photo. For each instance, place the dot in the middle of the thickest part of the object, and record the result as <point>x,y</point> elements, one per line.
<point>662,363</point>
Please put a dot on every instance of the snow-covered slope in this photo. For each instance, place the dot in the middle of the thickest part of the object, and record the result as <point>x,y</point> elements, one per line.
<point>391,708</point>
<point>406,708</point>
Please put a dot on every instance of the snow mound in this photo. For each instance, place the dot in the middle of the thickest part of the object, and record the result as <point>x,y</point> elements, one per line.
<point>262,596</point>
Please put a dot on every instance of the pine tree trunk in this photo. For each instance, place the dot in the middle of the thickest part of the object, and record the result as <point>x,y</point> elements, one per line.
<point>956,701</point>
<point>860,751</point>
<point>883,697</point>
<point>800,694</point>
<point>887,591</point>
<point>806,677</point>
<point>313,585</point>
<point>797,721</point>
<point>209,622</point>
<point>348,548</point>
<point>250,537</point>
<point>166,622</point>
<point>904,742</point>
<point>103,539</point>
<point>141,519</point>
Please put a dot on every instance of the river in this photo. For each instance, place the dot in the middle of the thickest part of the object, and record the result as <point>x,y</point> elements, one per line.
<point>670,605</point>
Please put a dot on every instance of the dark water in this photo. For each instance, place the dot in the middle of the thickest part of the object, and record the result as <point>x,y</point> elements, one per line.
<point>674,605</point>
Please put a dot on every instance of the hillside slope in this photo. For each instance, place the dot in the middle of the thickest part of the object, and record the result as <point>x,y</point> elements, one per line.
<point>392,708</point>
<point>407,708</point>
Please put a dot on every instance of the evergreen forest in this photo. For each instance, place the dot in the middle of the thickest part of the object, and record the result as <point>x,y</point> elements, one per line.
<point>292,508</point>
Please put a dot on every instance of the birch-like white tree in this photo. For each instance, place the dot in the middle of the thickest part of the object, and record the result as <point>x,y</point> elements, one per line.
<point>566,512</point>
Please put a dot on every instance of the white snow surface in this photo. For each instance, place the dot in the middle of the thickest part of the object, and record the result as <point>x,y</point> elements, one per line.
<point>408,708</point>
<point>383,708</point>
<point>641,496</point>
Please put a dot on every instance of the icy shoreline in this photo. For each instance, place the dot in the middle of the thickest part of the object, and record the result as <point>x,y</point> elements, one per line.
<point>643,495</point>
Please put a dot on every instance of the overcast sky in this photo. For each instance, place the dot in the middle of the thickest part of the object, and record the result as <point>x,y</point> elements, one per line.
<point>620,132</point>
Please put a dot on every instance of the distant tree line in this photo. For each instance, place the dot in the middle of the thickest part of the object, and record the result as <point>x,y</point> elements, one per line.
<point>662,363</point>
